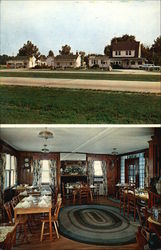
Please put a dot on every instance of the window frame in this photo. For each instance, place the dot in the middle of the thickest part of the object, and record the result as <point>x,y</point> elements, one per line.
<point>45,171</point>
<point>10,171</point>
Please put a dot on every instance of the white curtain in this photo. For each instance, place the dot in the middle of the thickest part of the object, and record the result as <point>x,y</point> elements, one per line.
<point>2,175</point>
<point>15,170</point>
<point>52,167</point>
<point>104,171</point>
<point>91,172</point>
<point>37,172</point>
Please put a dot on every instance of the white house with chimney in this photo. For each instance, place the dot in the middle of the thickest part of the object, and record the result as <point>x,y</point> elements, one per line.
<point>126,54</point>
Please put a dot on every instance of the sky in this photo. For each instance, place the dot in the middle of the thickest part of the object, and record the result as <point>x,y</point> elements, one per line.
<point>84,25</point>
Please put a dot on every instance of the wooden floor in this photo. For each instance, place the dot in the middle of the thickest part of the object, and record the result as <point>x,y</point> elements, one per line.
<point>63,243</point>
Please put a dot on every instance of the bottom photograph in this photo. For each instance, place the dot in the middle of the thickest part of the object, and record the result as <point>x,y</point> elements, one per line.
<point>80,187</point>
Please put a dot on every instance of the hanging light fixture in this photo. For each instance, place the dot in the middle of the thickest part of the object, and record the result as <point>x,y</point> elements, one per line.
<point>45,149</point>
<point>45,134</point>
<point>114,152</point>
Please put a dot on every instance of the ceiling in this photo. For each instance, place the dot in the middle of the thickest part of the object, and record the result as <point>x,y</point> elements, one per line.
<point>100,140</point>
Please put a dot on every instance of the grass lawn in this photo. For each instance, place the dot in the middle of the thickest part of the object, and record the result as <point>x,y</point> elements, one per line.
<point>81,75</point>
<point>49,105</point>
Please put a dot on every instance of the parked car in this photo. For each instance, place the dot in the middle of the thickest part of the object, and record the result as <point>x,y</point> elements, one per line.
<point>149,67</point>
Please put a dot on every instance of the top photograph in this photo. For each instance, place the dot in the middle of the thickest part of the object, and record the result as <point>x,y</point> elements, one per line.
<point>80,62</point>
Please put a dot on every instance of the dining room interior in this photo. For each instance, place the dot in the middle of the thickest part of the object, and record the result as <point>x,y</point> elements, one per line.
<point>80,187</point>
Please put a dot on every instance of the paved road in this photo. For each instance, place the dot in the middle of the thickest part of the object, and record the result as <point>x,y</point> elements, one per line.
<point>129,86</point>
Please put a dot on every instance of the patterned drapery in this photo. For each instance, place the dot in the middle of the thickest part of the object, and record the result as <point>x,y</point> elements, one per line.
<point>91,172</point>
<point>104,171</point>
<point>37,172</point>
<point>2,175</point>
<point>15,163</point>
<point>52,166</point>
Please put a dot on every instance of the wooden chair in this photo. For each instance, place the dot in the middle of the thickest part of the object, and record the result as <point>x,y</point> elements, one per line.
<point>67,197</point>
<point>131,199</point>
<point>153,198</point>
<point>54,220</point>
<point>85,195</point>
<point>123,199</point>
<point>10,240</point>
<point>97,190</point>
<point>21,221</point>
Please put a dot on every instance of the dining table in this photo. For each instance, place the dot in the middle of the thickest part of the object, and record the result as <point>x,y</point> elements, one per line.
<point>35,205</point>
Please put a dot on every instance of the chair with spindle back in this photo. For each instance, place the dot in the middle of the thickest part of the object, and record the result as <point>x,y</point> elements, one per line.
<point>97,190</point>
<point>85,195</point>
<point>123,199</point>
<point>21,221</point>
<point>67,197</point>
<point>54,220</point>
<point>131,199</point>
<point>10,240</point>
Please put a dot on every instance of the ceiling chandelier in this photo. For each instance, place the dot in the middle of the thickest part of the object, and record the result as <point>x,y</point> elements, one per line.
<point>45,134</point>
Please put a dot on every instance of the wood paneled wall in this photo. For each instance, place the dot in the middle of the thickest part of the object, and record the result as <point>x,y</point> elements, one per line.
<point>113,170</point>
<point>25,175</point>
<point>5,148</point>
<point>155,154</point>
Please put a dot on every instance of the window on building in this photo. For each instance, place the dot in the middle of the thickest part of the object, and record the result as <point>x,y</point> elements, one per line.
<point>97,168</point>
<point>13,170</point>
<point>132,62</point>
<point>119,52</point>
<point>136,174</point>
<point>45,172</point>
<point>10,171</point>
<point>116,53</point>
<point>127,52</point>
<point>130,52</point>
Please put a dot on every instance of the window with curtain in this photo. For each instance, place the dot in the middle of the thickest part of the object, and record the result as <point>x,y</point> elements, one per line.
<point>141,169</point>
<point>97,168</point>
<point>10,171</point>
<point>45,178</point>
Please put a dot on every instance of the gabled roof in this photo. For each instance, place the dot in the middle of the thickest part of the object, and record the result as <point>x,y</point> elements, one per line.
<point>19,58</point>
<point>66,57</point>
<point>125,45</point>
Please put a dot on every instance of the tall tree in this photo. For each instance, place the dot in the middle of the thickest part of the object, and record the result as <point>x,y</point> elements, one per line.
<point>51,53</point>
<point>107,50</point>
<point>29,49</point>
<point>65,50</point>
<point>3,59</point>
<point>123,38</point>
<point>146,53</point>
<point>156,51</point>
<point>126,37</point>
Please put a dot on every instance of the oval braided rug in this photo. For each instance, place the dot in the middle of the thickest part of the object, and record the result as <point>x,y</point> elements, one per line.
<point>96,224</point>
